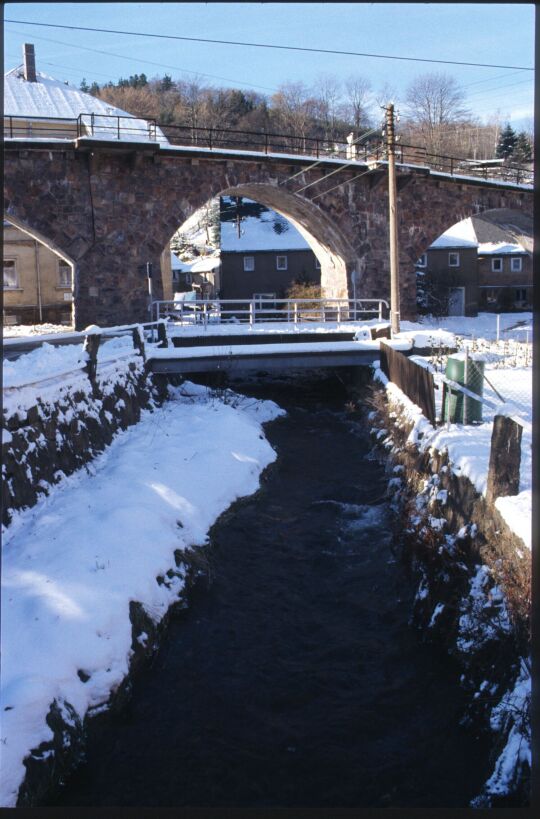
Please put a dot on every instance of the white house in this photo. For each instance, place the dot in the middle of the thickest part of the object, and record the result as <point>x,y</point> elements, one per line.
<point>39,106</point>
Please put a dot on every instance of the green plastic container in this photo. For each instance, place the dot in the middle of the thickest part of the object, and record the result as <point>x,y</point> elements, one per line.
<point>458,407</point>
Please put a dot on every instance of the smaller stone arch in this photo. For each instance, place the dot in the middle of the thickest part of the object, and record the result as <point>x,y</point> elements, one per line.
<point>46,289</point>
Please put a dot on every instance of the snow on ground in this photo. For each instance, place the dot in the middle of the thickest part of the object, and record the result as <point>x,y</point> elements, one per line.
<point>23,330</point>
<point>468,447</point>
<point>484,325</point>
<point>48,371</point>
<point>72,564</point>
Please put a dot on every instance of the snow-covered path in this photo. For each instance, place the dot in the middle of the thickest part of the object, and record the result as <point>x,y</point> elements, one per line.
<point>72,564</point>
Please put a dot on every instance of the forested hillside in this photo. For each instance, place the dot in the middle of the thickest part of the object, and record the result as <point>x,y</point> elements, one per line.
<point>433,112</point>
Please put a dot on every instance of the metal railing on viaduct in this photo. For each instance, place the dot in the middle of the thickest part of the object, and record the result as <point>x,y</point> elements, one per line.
<point>115,127</point>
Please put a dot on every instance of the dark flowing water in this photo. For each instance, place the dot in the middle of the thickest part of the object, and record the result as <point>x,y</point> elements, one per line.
<point>294,678</point>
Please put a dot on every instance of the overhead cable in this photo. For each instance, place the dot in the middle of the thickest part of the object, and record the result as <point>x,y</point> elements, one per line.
<point>269,45</point>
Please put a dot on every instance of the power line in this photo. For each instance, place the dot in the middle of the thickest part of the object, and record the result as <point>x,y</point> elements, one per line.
<point>354,142</point>
<point>340,184</point>
<point>268,45</point>
<point>149,62</point>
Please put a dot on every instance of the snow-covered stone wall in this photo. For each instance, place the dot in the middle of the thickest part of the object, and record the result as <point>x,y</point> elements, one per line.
<point>64,428</point>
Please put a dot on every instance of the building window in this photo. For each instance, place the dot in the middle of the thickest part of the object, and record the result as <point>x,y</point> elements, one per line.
<point>422,261</point>
<point>281,263</point>
<point>249,263</point>
<point>64,274</point>
<point>317,264</point>
<point>497,265</point>
<point>188,277</point>
<point>453,260</point>
<point>515,265</point>
<point>521,294</point>
<point>11,278</point>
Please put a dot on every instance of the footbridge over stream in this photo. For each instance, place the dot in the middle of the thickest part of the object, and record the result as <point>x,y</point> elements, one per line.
<point>109,206</point>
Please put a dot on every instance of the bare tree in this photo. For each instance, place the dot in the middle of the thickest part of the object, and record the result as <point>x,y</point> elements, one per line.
<point>327,99</point>
<point>358,102</point>
<point>293,109</point>
<point>434,104</point>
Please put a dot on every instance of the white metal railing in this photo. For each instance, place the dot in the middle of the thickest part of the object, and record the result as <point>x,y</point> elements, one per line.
<point>252,311</point>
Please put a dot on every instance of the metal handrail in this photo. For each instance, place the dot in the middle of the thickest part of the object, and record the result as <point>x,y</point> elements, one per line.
<point>266,142</point>
<point>252,311</point>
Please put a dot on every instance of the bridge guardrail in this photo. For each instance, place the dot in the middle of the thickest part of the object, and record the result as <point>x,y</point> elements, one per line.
<point>252,311</point>
<point>118,127</point>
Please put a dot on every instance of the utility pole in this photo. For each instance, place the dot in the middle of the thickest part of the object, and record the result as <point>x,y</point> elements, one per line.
<point>392,212</point>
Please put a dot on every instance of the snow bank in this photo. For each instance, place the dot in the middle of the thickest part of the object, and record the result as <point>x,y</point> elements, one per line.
<point>72,563</point>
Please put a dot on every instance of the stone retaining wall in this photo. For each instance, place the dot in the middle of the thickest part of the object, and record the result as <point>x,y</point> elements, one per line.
<point>474,592</point>
<point>65,430</point>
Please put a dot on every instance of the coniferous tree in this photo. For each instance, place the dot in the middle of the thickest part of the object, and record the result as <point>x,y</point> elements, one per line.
<point>507,142</point>
<point>522,149</point>
<point>84,85</point>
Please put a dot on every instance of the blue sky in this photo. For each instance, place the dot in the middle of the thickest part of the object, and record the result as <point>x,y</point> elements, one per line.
<point>501,34</point>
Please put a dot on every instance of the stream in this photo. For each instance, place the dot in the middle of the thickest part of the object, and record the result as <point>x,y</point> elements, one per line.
<point>294,678</point>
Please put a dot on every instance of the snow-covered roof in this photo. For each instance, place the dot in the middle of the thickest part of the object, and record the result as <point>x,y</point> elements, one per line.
<point>47,97</point>
<point>204,265</point>
<point>453,237</point>
<point>269,231</point>
<point>499,248</point>
<point>489,235</point>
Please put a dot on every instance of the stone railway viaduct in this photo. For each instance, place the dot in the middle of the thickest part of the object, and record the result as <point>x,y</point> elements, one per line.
<point>110,207</point>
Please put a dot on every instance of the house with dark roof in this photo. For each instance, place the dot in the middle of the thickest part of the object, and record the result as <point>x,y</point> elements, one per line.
<point>262,254</point>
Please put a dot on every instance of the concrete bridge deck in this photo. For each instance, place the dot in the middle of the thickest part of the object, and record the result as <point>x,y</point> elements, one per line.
<point>235,358</point>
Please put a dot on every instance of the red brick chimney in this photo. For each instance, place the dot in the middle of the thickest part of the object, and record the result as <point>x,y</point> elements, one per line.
<point>29,62</point>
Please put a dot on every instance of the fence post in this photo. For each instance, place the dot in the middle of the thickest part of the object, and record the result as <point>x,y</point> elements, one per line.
<point>91,346</point>
<point>295,308</point>
<point>498,325</point>
<point>162,334</point>
<point>138,341</point>
<point>210,138</point>
<point>252,312</point>
<point>504,458</point>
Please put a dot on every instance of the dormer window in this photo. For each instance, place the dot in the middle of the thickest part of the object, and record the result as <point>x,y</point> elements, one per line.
<point>453,260</point>
<point>497,265</point>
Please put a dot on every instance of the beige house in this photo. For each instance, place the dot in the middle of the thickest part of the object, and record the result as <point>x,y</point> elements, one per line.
<point>37,281</point>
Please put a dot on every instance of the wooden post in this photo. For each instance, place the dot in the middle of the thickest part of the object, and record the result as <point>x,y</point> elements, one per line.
<point>138,342</point>
<point>504,458</point>
<point>91,346</point>
<point>162,334</point>
<point>392,214</point>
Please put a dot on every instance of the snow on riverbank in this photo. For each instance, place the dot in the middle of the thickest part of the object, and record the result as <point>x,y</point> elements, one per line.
<point>72,564</point>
